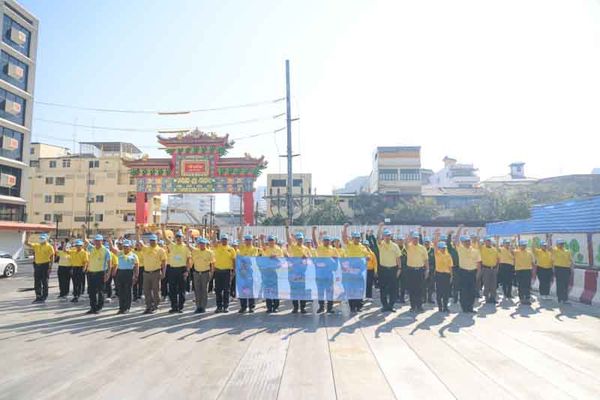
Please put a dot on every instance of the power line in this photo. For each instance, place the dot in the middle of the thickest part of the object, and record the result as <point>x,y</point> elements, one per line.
<point>159,112</point>
<point>164,130</point>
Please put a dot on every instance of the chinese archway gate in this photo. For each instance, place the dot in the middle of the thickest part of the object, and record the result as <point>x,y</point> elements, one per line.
<point>196,165</point>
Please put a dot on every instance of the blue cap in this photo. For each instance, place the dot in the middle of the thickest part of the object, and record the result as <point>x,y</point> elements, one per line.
<point>99,237</point>
<point>414,235</point>
<point>560,241</point>
<point>427,239</point>
<point>78,242</point>
<point>161,242</point>
<point>387,232</point>
<point>333,239</point>
<point>543,243</point>
<point>488,237</point>
<point>522,242</point>
<point>327,237</point>
<point>271,238</point>
<point>505,241</point>
<point>43,237</point>
<point>308,240</point>
<point>355,235</point>
<point>465,239</point>
<point>224,237</point>
<point>299,235</point>
<point>248,237</point>
<point>235,243</point>
<point>153,237</point>
<point>443,237</point>
<point>179,234</point>
<point>441,245</point>
<point>126,243</point>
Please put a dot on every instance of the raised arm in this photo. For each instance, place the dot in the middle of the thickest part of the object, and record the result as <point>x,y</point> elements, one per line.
<point>314,237</point>
<point>380,231</point>
<point>240,233</point>
<point>164,234</point>
<point>345,233</point>
<point>288,237</point>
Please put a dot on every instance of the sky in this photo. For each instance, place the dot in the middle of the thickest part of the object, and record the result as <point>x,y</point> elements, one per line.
<point>486,82</point>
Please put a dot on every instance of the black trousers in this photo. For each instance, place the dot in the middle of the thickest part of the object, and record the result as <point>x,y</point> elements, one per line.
<point>108,286</point>
<point>272,304</point>
<point>138,288</point>
<point>245,303</point>
<point>442,289</point>
<point>96,290</point>
<point>164,283</point>
<point>124,284</point>
<point>505,277</point>
<point>428,288</point>
<point>545,277</point>
<point>388,286</point>
<point>232,287</point>
<point>370,276</point>
<point>455,283</point>
<point>299,303</point>
<point>563,276</point>
<point>402,284</point>
<point>64,280</point>
<point>329,304</point>
<point>416,278</point>
<point>524,282</point>
<point>78,280</point>
<point>176,282</point>
<point>468,288</point>
<point>222,284</point>
<point>41,273</point>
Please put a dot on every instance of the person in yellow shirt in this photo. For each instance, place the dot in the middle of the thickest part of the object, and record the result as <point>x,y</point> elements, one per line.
<point>64,269</point>
<point>274,251</point>
<point>79,262</point>
<point>443,276</point>
<point>224,269</point>
<point>388,271</point>
<point>506,269</point>
<point>543,267</point>
<point>417,262</point>
<point>325,249</point>
<point>372,266</point>
<point>247,249</point>
<point>178,256</point>
<point>203,261</point>
<point>563,268</point>
<point>469,260</point>
<point>43,256</point>
<point>297,249</point>
<point>354,248</point>
<point>523,270</point>
<point>489,270</point>
<point>97,270</point>
<point>155,264</point>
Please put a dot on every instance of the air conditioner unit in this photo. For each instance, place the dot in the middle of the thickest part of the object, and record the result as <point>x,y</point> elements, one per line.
<point>17,36</point>
<point>9,143</point>
<point>7,180</point>
<point>15,72</point>
<point>12,107</point>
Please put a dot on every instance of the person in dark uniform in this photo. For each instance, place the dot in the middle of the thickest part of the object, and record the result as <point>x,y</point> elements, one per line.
<point>429,282</point>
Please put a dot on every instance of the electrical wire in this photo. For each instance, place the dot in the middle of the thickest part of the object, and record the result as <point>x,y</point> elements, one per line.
<point>159,112</point>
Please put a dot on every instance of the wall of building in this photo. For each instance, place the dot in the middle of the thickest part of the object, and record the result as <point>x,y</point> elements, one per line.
<point>396,170</point>
<point>18,48</point>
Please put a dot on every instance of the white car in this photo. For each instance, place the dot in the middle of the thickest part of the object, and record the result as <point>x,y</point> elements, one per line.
<point>8,266</point>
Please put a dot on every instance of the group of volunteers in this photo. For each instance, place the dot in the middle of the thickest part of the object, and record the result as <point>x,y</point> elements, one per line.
<point>452,265</point>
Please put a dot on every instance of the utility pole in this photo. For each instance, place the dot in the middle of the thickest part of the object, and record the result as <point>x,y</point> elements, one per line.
<point>290,183</point>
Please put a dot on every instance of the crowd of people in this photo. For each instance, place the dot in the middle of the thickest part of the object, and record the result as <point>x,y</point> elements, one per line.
<point>154,265</point>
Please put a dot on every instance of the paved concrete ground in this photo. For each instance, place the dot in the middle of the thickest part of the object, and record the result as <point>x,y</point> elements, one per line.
<point>55,352</point>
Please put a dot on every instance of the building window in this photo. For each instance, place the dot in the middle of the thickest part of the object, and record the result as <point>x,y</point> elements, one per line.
<point>58,218</point>
<point>13,71</point>
<point>47,198</point>
<point>49,180</point>
<point>59,198</point>
<point>129,217</point>
<point>10,181</point>
<point>16,35</point>
<point>94,164</point>
<point>99,217</point>
<point>131,196</point>
<point>48,217</point>
<point>11,144</point>
<point>12,107</point>
<point>410,175</point>
<point>99,198</point>
<point>32,150</point>
<point>60,181</point>
<point>388,174</point>
<point>278,183</point>
<point>91,182</point>
<point>297,182</point>
<point>12,212</point>
<point>66,163</point>
<point>52,164</point>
